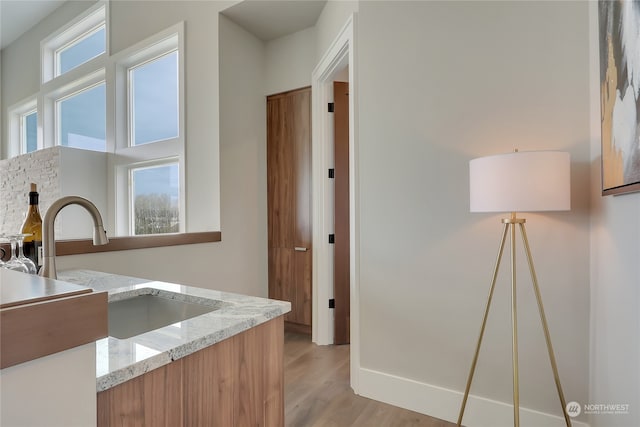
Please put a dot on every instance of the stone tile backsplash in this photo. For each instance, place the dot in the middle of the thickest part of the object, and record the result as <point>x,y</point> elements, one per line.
<point>41,167</point>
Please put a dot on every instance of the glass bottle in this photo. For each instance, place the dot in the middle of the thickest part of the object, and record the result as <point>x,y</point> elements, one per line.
<point>32,226</point>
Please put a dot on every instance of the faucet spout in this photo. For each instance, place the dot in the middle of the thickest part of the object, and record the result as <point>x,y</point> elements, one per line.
<point>48,268</point>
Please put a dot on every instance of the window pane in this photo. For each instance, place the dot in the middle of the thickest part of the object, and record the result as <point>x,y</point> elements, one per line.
<point>154,100</point>
<point>82,120</point>
<point>30,132</point>
<point>156,199</point>
<point>88,47</point>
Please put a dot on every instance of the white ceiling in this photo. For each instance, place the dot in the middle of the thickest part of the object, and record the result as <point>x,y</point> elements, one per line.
<point>266,19</point>
<point>17,16</point>
<point>270,19</point>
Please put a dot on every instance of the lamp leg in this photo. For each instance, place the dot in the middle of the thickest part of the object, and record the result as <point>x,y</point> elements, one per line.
<point>484,323</point>
<point>514,332</point>
<point>543,319</point>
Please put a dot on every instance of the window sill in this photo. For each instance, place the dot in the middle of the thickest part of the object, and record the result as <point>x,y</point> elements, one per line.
<point>85,246</point>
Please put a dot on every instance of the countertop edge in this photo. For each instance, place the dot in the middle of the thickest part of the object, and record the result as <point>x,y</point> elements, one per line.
<point>241,314</point>
<point>137,369</point>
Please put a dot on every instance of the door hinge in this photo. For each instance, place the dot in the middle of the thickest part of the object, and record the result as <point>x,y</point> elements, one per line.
<point>332,173</point>
<point>332,107</point>
<point>332,303</point>
<point>332,238</point>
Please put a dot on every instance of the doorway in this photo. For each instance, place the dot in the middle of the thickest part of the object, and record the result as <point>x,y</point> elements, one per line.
<point>341,54</point>
<point>340,176</point>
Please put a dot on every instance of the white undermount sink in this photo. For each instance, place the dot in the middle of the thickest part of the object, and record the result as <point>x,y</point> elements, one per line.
<point>146,312</point>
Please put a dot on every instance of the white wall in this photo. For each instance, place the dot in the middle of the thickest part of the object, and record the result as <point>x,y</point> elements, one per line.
<point>343,75</point>
<point>330,22</point>
<point>290,61</point>
<point>441,83</point>
<point>243,150</point>
<point>82,173</point>
<point>615,280</point>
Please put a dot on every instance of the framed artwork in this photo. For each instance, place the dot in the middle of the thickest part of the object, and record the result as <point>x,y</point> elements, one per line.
<point>619,95</point>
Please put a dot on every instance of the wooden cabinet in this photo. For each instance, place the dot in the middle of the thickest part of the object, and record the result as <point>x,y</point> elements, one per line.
<point>27,305</point>
<point>236,382</point>
<point>153,399</point>
<point>289,202</point>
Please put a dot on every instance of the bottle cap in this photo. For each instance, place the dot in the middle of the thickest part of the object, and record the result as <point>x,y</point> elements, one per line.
<point>33,194</point>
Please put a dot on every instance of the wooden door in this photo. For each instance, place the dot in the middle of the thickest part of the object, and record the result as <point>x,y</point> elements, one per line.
<point>341,214</point>
<point>289,203</point>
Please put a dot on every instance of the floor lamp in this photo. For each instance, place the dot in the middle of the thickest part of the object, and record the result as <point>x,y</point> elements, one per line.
<point>518,182</point>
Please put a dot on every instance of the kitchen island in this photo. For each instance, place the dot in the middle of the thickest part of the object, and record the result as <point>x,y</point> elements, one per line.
<point>224,367</point>
<point>119,360</point>
<point>220,366</point>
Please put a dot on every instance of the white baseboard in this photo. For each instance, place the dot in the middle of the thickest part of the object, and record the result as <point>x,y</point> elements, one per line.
<point>445,404</point>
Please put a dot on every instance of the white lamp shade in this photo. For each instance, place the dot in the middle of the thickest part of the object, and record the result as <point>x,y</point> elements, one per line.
<point>524,181</point>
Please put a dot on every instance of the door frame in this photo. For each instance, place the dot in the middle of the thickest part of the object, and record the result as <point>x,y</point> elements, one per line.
<point>340,53</point>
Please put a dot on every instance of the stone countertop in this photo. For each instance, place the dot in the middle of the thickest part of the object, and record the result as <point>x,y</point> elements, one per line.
<point>119,360</point>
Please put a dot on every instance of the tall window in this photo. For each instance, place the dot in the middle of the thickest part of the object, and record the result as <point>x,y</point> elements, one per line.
<point>149,135</point>
<point>153,98</point>
<point>29,132</point>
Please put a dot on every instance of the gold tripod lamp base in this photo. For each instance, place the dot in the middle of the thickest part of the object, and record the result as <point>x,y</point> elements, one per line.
<point>510,229</point>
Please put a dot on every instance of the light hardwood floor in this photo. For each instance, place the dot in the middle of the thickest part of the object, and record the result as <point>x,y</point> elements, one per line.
<point>317,391</point>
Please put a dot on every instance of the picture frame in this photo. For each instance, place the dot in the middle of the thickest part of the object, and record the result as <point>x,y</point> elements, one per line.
<point>619,40</point>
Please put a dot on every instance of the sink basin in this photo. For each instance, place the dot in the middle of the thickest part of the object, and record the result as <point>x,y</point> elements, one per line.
<point>143,313</point>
